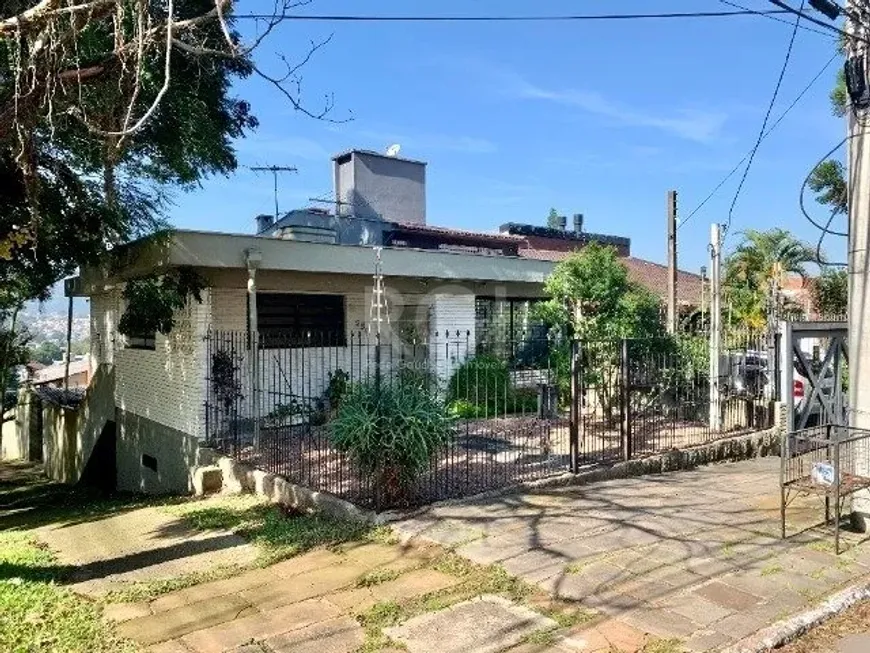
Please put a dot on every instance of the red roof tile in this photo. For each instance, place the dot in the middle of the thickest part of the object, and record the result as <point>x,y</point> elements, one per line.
<point>652,276</point>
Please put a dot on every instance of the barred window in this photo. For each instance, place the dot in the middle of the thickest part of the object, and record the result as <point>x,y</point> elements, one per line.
<point>300,320</point>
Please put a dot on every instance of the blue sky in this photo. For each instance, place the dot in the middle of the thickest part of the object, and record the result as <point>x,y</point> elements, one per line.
<point>598,117</point>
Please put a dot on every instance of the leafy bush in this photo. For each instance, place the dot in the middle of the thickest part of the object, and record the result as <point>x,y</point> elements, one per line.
<point>483,380</point>
<point>481,387</point>
<point>337,387</point>
<point>391,431</point>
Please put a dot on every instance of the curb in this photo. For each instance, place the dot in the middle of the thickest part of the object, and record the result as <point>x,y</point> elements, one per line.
<point>785,631</point>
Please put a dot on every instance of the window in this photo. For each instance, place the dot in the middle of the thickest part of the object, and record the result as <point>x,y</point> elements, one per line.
<point>300,320</point>
<point>142,341</point>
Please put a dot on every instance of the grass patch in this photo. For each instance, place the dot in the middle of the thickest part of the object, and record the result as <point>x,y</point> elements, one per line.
<point>475,580</point>
<point>727,549</point>
<point>821,546</point>
<point>375,619</point>
<point>818,574</point>
<point>663,646</point>
<point>376,577</point>
<point>277,534</point>
<point>38,615</point>
<point>541,637</point>
<point>150,590</point>
<point>772,570</point>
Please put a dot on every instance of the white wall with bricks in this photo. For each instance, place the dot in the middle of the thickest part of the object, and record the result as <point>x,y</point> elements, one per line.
<point>167,385</point>
<point>452,332</point>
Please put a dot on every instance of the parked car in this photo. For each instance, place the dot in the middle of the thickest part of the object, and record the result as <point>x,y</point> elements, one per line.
<point>748,375</point>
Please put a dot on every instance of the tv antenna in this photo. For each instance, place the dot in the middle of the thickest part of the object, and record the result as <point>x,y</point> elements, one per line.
<point>274,170</point>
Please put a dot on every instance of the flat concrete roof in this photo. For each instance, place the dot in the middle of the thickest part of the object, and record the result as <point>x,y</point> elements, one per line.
<point>204,249</point>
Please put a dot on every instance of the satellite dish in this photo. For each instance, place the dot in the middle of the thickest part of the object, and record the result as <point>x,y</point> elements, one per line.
<point>393,150</point>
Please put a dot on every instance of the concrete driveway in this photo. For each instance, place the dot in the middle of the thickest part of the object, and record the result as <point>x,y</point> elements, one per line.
<point>693,555</point>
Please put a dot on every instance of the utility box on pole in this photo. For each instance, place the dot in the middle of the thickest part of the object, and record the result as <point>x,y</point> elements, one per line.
<point>672,261</point>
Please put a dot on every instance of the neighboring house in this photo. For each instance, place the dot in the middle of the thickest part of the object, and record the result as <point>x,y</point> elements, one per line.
<point>310,271</point>
<point>54,375</point>
<point>798,293</point>
<point>546,244</point>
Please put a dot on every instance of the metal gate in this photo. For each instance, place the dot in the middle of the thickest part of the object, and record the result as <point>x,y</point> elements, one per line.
<point>637,397</point>
<point>813,378</point>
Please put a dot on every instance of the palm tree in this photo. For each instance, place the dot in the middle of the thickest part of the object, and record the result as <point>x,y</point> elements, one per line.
<point>762,256</point>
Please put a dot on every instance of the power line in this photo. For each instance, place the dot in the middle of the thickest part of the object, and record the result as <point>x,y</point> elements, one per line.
<point>812,19</point>
<point>767,133</point>
<point>777,19</point>
<point>773,97</point>
<point>515,19</point>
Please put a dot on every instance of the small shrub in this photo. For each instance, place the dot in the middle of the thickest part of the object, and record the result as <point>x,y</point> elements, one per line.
<point>336,389</point>
<point>481,387</point>
<point>391,431</point>
<point>483,380</point>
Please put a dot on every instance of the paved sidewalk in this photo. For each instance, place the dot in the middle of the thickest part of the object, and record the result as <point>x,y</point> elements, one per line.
<point>692,555</point>
<point>304,604</point>
<point>146,544</point>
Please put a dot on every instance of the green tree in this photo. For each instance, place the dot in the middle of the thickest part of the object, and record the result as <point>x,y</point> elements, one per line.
<point>106,107</point>
<point>828,180</point>
<point>830,293</point>
<point>13,351</point>
<point>762,256</point>
<point>590,294</point>
<point>553,220</point>
<point>592,298</point>
<point>46,352</point>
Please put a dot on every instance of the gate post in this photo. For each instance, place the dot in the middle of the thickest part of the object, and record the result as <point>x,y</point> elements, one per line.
<point>625,400</point>
<point>574,425</point>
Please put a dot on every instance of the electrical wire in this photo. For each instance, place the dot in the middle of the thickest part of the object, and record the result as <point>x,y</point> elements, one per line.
<point>826,228</point>
<point>828,26</point>
<point>817,225</point>
<point>767,133</point>
<point>758,140</point>
<point>825,231</point>
<point>777,19</point>
<point>489,19</point>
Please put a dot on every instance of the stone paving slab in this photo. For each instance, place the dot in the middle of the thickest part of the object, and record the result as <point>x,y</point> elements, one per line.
<point>692,554</point>
<point>139,545</point>
<point>259,626</point>
<point>176,623</point>
<point>488,624</point>
<point>342,635</point>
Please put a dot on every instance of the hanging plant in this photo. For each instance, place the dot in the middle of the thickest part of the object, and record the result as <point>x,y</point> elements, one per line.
<point>153,301</point>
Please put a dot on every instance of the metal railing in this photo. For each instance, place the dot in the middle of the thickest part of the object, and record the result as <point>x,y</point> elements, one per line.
<point>519,410</point>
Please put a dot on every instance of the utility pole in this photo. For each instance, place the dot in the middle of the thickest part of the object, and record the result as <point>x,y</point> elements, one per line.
<point>703,296</point>
<point>858,189</point>
<point>672,261</point>
<point>274,170</point>
<point>715,326</point>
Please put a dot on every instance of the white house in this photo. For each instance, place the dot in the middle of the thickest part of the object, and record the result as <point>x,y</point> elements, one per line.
<point>311,272</point>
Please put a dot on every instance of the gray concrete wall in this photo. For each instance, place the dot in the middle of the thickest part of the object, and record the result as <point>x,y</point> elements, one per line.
<point>380,186</point>
<point>69,435</point>
<point>175,453</point>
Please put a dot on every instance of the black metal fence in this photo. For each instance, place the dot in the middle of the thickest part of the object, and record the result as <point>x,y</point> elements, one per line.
<point>518,410</point>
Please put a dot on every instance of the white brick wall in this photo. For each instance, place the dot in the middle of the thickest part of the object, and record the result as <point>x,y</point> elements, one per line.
<point>287,372</point>
<point>166,385</point>
<point>169,385</point>
<point>105,312</point>
<point>452,333</point>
